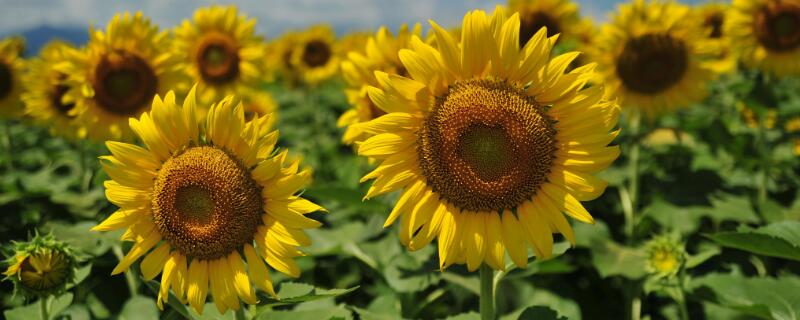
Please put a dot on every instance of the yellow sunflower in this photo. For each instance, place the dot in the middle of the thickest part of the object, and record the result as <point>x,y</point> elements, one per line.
<point>279,57</point>
<point>558,16</point>
<point>259,103</point>
<point>220,51</point>
<point>713,17</point>
<point>11,67</point>
<point>766,34</point>
<point>118,74</point>
<point>314,55</point>
<point>489,142</point>
<point>45,90</point>
<point>353,41</point>
<point>654,56</point>
<point>199,196</point>
<point>379,54</point>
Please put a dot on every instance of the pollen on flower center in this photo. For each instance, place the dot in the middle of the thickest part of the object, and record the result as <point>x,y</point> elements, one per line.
<point>6,80</point>
<point>124,83</point>
<point>316,53</point>
<point>486,145</point>
<point>206,203</point>
<point>777,26</point>
<point>652,63</point>
<point>218,58</point>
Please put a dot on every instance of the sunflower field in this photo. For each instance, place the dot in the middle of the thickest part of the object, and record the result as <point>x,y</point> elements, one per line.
<point>528,163</point>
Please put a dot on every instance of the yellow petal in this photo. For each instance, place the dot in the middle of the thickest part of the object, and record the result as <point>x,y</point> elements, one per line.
<point>241,281</point>
<point>565,202</point>
<point>120,219</point>
<point>197,285</point>
<point>153,263</point>
<point>474,239</point>
<point>514,239</point>
<point>138,250</point>
<point>258,270</point>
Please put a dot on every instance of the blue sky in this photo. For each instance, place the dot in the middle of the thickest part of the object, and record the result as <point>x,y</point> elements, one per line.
<point>274,16</point>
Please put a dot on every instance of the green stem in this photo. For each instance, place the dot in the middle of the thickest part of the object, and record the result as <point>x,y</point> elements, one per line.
<point>487,293</point>
<point>133,286</point>
<point>43,308</point>
<point>633,175</point>
<point>8,147</point>
<point>681,300</point>
<point>239,315</point>
<point>85,175</point>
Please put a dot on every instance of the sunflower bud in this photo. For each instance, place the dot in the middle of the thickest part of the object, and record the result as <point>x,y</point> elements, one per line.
<point>41,267</point>
<point>665,256</point>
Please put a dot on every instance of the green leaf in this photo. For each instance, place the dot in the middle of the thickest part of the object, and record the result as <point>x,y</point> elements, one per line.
<point>766,298</point>
<point>682,219</point>
<point>292,292</point>
<point>540,313</point>
<point>780,240</point>
<point>338,312</point>
<point>731,207</point>
<point>697,259</point>
<point>139,307</point>
<point>210,312</point>
<point>172,300</point>
<point>465,316</point>
<point>60,303</point>
<point>612,259</point>
<point>26,312</point>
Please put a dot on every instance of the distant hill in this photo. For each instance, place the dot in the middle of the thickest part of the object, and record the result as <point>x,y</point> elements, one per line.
<point>37,37</point>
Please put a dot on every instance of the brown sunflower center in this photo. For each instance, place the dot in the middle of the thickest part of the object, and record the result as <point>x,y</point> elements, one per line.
<point>486,145</point>
<point>777,26</point>
<point>124,83</point>
<point>56,97</point>
<point>652,63</point>
<point>316,53</point>
<point>532,22</point>
<point>6,80</point>
<point>205,203</point>
<point>714,22</point>
<point>218,58</point>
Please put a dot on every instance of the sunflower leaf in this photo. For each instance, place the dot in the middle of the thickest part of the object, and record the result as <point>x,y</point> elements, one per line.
<point>781,240</point>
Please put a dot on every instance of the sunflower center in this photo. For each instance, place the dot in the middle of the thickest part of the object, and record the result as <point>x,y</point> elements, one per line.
<point>6,80</point>
<point>218,59</point>
<point>778,26</point>
<point>486,145</point>
<point>57,97</point>
<point>316,53</point>
<point>534,21</point>
<point>124,83</point>
<point>714,22</point>
<point>652,63</point>
<point>205,203</point>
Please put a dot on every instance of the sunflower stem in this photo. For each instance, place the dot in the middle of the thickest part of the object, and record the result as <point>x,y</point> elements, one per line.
<point>133,286</point>
<point>8,147</point>
<point>487,293</point>
<point>43,309</point>
<point>633,175</point>
<point>239,315</point>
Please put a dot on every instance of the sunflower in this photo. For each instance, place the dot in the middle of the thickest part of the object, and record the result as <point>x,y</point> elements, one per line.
<point>353,41</point>
<point>41,267</point>
<point>558,16</point>
<point>654,56</point>
<point>314,55</point>
<point>279,57</point>
<point>118,74</point>
<point>713,17</point>
<point>489,142</point>
<point>11,66</point>
<point>379,54</point>
<point>45,90</point>
<point>220,51</point>
<point>198,197</point>
<point>766,34</point>
<point>259,103</point>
